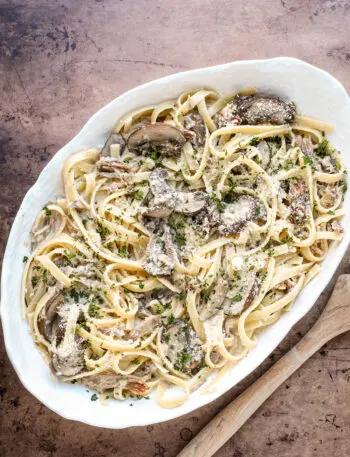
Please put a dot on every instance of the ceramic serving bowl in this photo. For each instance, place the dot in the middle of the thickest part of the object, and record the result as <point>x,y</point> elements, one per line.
<point>316,94</point>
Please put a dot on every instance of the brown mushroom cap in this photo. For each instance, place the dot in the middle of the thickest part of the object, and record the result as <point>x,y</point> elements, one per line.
<point>46,321</point>
<point>190,202</point>
<point>163,138</point>
<point>238,214</point>
<point>158,262</point>
<point>183,347</point>
<point>194,124</point>
<point>258,109</point>
<point>167,199</point>
<point>69,364</point>
<point>114,138</point>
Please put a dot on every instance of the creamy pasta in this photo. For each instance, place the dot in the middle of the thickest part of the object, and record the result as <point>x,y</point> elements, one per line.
<point>194,227</point>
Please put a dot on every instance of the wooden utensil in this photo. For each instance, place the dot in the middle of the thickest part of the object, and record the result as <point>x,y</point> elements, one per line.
<point>334,320</point>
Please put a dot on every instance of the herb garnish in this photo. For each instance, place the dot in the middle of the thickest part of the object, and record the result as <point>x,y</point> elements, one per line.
<point>218,203</point>
<point>322,148</point>
<point>47,211</point>
<point>236,298</point>
<point>138,195</point>
<point>94,310</point>
<point>254,141</point>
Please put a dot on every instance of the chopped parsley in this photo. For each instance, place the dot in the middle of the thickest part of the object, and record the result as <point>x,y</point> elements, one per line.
<point>25,259</point>
<point>332,213</point>
<point>123,252</point>
<point>94,397</point>
<point>158,308</point>
<point>344,184</point>
<point>236,298</point>
<point>78,294</point>
<point>182,295</point>
<point>182,359</point>
<point>94,310</point>
<point>307,160</point>
<point>103,231</point>
<point>205,295</point>
<point>141,285</point>
<point>287,165</point>
<point>180,239</point>
<point>47,211</point>
<point>322,148</point>
<point>69,255</point>
<point>256,211</point>
<point>257,160</point>
<point>171,319</point>
<point>34,281</point>
<point>154,156</point>
<point>218,203</point>
<point>138,195</point>
<point>286,239</point>
<point>254,141</point>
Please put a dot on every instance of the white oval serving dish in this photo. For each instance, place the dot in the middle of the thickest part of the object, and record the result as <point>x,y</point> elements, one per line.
<point>316,94</point>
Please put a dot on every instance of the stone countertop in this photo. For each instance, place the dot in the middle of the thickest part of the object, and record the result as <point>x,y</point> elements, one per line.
<point>63,60</point>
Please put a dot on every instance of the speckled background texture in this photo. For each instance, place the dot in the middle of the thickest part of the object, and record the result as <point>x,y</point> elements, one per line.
<point>60,62</point>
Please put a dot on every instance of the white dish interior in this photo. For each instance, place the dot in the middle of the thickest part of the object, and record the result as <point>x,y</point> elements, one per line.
<point>316,94</point>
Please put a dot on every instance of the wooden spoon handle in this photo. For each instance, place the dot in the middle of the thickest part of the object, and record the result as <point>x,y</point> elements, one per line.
<point>331,323</point>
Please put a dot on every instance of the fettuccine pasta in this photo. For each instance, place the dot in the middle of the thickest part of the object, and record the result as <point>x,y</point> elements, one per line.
<point>194,227</point>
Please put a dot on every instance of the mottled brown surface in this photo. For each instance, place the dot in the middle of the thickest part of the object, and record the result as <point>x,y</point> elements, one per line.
<point>60,62</point>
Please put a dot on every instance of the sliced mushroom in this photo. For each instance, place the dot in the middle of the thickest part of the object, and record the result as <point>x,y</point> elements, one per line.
<point>162,138</point>
<point>48,317</point>
<point>190,202</point>
<point>159,207</point>
<point>201,224</point>
<point>102,381</point>
<point>158,184</point>
<point>146,326</point>
<point>158,263</point>
<point>146,301</point>
<point>328,164</point>
<point>284,285</point>
<point>136,385</point>
<point>305,144</point>
<point>227,116</point>
<point>183,347</point>
<point>163,295</point>
<point>166,199</point>
<point>298,197</point>
<point>334,226</point>
<point>242,293</point>
<point>264,151</point>
<point>67,346</point>
<point>236,216</point>
<point>114,138</point>
<point>163,202</point>
<point>110,165</point>
<point>215,300</point>
<point>68,362</point>
<point>194,123</point>
<point>259,109</point>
